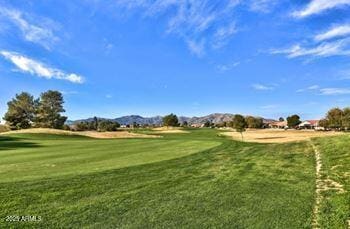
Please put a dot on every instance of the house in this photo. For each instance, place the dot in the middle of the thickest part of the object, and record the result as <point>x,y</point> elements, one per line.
<point>278,125</point>
<point>197,125</point>
<point>310,124</point>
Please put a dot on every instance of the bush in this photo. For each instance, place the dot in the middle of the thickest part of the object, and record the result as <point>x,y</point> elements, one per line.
<point>66,127</point>
<point>108,126</point>
<point>4,128</point>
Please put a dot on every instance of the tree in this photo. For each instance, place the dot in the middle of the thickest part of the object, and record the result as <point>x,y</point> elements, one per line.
<point>323,123</point>
<point>21,110</point>
<point>334,118</point>
<point>95,123</point>
<point>106,125</point>
<point>293,121</point>
<point>253,122</point>
<point>170,120</point>
<point>346,118</point>
<point>281,119</point>
<point>207,124</point>
<point>239,123</point>
<point>185,124</point>
<point>49,110</point>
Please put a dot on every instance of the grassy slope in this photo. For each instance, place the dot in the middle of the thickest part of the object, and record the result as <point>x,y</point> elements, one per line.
<point>242,185</point>
<point>335,206</point>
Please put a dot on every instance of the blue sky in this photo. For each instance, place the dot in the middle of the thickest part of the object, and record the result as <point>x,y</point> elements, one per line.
<point>150,57</point>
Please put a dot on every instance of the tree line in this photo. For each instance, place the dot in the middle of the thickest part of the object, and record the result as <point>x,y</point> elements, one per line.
<point>98,125</point>
<point>24,111</point>
<point>337,118</point>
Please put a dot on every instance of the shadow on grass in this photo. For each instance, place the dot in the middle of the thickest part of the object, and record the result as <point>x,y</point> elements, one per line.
<point>9,143</point>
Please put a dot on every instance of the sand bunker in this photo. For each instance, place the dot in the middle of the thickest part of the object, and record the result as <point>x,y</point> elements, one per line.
<point>279,136</point>
<point>92,134</point>
<point>169,130</point>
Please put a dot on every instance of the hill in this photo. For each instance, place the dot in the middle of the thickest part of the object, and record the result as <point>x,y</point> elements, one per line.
<point>157,120</point>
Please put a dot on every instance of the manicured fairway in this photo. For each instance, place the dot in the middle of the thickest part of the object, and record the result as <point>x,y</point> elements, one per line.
<point>191,180</point>
<point>30,156</point>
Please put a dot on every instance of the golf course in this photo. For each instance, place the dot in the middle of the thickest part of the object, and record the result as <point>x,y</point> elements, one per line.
<point>177,180</point>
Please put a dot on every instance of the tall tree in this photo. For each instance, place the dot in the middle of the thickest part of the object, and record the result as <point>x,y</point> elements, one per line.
<point>293,121</point>
<point>95,123</point>
<point>20,113</point>
<point>253,122</point>
<point>170,120</point>
<point>281,119</point>
<point>334,117</point>
<point>239,123</point>
<point>323,123</point>
<point>346,118</point>
<point>49,110</point>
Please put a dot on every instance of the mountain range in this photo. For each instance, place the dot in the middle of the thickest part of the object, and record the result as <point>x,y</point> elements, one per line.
<point>157,120</point>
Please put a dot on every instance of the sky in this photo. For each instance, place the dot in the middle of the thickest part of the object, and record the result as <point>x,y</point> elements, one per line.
<point>111,58</point>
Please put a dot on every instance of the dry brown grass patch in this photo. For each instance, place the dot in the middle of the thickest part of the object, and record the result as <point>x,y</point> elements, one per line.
<point>169,130</point>
<point>279,136</point>
<point>92,134</point>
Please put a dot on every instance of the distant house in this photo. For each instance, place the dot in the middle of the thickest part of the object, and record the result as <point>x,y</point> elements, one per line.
<point>278,125</point>
<point>310,124</point>
<point>197,125</point>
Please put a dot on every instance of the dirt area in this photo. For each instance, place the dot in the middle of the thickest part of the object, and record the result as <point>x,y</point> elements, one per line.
<point>93,134</point>
<point>279,136</point>
<point>116,134</point>
<point>169,130</point>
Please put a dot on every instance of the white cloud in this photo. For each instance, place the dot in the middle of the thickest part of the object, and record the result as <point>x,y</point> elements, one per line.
<point>261,87</point>
<point>310,88</point>
<point>198,23</point>
<point>196,48</point>
<point>319,6</point>
<point>41,33</point>
<point>37,68</point>
<point>337,31</point>
<point>335,91</point>
<point>223,34</point>
<point>227,67</point>
<point>263,6</point>
<point>326,49</point>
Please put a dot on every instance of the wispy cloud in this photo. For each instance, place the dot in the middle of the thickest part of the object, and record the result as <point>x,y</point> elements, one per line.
<point>326,90</point>
<point>196,47</point>
<point>319,6</point>
<point>310,88</point>
<point>261,87</point>
<point>201,24</point>
<point>335,91</point>
<point>325,49</point>
<point>37,31</point>
<point>227,67</point>
<point>334,32</point>
<point>263,6</point>
<point>223,34</point>
<point>34,67</point>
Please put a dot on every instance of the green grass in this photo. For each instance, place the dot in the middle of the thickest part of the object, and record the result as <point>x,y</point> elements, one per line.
<point>194,180</point>
<point>335,206</point>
